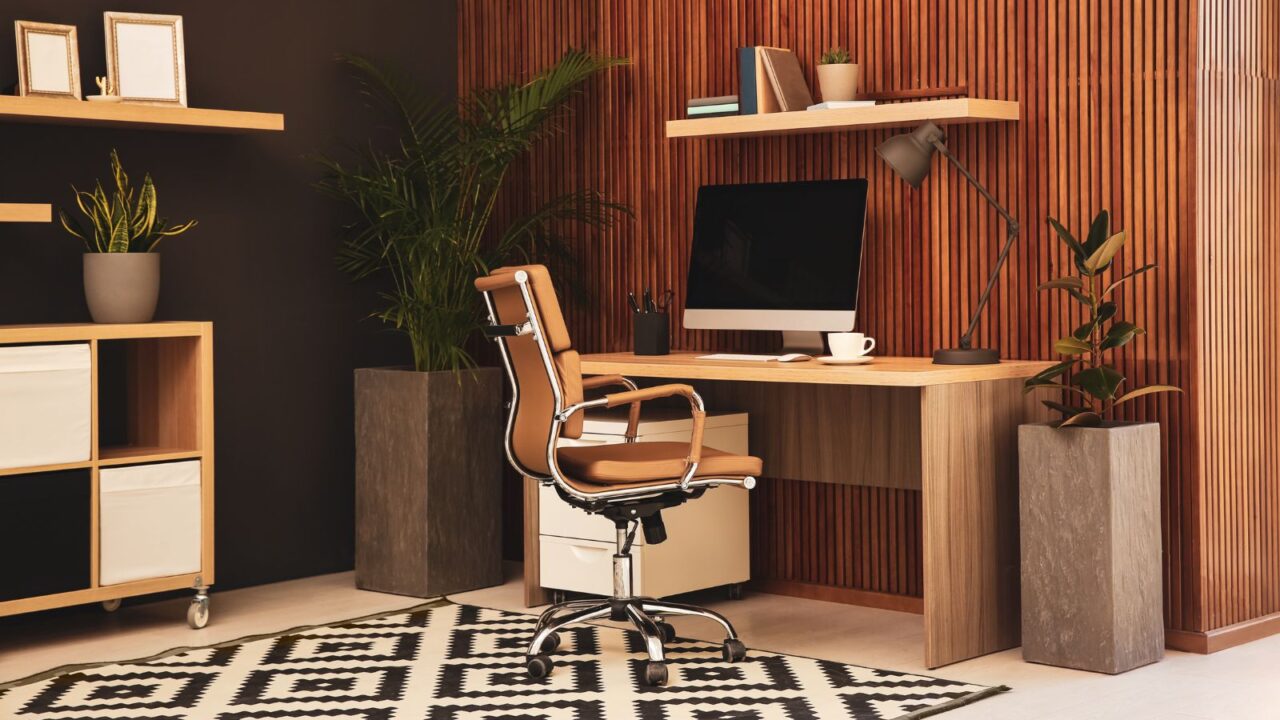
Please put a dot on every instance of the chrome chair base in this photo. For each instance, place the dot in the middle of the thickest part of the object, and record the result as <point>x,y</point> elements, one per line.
<point>644,613</point>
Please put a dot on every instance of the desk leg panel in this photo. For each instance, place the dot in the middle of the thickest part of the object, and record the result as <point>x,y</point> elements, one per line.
<point>534,595</point>
<point>969,461</point>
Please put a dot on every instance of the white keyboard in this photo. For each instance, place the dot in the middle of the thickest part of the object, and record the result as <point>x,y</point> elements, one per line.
<point>744,358</point>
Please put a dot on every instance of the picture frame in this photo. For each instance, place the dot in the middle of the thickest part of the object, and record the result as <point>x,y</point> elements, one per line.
<point>146,58</point>
<point>48,60</point>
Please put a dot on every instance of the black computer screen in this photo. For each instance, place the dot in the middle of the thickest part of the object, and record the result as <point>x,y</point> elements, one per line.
<point>778,246</point>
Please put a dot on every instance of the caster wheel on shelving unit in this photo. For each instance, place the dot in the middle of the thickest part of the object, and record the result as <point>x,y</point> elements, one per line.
<point>735,591</point>
<point>734,651</point>
<point>655,674</point>
<point>668,631</point>
<point>111,605</point>
<point>198,614</point>
<point>539,666</point>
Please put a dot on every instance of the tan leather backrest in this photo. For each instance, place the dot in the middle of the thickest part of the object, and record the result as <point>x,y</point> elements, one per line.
<point>535,406</point>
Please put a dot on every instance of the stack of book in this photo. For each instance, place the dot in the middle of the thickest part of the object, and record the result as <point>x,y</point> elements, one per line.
<point>712,106</point>
<point>841,104</point>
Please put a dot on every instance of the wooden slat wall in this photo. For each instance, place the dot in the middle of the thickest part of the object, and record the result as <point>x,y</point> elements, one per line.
<point>1107,92</point>
<point>1239,321</point>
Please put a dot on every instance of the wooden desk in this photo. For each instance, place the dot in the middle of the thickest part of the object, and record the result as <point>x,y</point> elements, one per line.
<point>948,432</point>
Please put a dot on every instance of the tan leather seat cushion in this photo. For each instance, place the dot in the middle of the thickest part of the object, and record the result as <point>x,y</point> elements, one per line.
<point>627,463</point>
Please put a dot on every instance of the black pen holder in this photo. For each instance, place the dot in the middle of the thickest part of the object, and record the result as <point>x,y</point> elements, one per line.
<point>652,334</point>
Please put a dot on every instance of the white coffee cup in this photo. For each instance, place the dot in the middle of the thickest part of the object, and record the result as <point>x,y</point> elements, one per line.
<point>850,344</point>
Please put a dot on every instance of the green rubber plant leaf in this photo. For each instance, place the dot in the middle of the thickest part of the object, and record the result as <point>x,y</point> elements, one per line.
<point>1099,231</point>
<point>1062,283</point>
<point>1071,345</point>
<point>1120,333</point>
<point>1077,250</point>
<point>1084,419</point>
<point>1106,311</point>
<point>1100,382</point>
<point>1148,390</point>
<point>1102,257</point>
<point>1067,410</point>
<point>1128,276</point>
<point>1054,371</point>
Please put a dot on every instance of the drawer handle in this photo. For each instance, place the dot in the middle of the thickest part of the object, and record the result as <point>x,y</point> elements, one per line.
<point>587,554</point>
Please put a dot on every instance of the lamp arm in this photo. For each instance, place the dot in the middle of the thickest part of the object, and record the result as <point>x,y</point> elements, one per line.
<point>966,340</point>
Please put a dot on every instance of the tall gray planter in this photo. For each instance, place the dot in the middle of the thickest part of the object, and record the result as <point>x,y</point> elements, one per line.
<point>1090,523</point>
<point>428,480</point>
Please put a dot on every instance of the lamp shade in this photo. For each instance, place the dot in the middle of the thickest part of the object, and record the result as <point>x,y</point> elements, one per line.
<point>911,154</point>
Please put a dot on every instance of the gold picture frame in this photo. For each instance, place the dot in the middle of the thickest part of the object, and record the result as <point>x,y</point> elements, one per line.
<point>146,58</point>
<point>48,60</point>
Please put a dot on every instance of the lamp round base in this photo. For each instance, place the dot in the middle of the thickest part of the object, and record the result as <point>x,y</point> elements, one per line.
<point>966,356</point>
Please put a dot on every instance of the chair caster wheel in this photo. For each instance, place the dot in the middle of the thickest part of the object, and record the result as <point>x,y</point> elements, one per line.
<point>111,605</point>
<point>655,674</point>
<point>539,666</point>
<point>551,643</point>
<point>734,651</point>
<point>668,631</point>
<point>735,591</point>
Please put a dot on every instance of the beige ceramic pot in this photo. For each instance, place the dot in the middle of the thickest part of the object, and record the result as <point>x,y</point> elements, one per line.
<point>838,82</point>
<point>122,287</point>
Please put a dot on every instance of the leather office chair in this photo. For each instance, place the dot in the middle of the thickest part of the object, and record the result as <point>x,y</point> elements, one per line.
<point>630,483</point>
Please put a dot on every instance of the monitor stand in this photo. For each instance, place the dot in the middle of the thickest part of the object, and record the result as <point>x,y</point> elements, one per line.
<point>803,341</point>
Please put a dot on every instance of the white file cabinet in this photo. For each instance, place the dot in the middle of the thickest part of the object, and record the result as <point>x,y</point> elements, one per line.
<point>708,543</point>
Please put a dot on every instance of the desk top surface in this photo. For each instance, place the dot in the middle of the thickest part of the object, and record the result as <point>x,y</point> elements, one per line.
<point>882,371</point>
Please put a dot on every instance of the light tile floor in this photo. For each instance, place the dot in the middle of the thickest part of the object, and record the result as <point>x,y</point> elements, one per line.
<point>1240,684</point>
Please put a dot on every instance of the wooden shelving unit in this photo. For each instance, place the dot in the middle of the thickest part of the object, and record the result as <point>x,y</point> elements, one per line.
<point>25,213</point>
<point>151,401</point>
<point>126,115</point>
<point>950,111</point>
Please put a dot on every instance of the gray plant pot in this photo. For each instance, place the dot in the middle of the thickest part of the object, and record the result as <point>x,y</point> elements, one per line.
<point>429,465</point>
<point>122,287</point>
<point>1090,523</point>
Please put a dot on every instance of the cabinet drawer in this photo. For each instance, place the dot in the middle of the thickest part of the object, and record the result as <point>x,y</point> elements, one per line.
<point>150,521</point>
<point>44,533</point>
<point>45,405</point>
<point>584,566</point>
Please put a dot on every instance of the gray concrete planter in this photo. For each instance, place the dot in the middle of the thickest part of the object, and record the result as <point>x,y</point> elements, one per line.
<point>428,480</point>
<point>1090,525</point>
<point>121,287</point>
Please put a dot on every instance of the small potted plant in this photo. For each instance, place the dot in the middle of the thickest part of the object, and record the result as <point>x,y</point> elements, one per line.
<point>1089,490</point>
<point>837,75</point>
<point>121,231</point>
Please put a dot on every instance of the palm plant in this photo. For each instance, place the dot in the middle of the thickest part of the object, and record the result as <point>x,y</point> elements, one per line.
<point>124,221</point>
<point>424,207</point>
<point>1094,389</point>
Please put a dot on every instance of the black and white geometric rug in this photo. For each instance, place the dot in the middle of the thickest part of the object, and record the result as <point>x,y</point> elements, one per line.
<point>457,662</point>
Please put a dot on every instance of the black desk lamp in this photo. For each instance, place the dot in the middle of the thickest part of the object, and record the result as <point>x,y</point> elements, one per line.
<point>911,155</point>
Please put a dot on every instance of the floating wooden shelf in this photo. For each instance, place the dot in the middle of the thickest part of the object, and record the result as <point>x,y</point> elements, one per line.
<point>25,212</point>
<point>127,115</point>
<point>904,114</point>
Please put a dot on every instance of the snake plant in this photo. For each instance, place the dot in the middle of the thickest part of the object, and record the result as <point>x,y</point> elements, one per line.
<point>126,220</point>
<point>1094,388</point>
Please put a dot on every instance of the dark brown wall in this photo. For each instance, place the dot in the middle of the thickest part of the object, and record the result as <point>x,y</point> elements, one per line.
<point>288,326</point>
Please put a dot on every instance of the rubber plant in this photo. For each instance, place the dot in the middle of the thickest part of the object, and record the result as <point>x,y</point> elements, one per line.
<point>126,220</point>
<point>1092,387</point>
<point>423,206</point>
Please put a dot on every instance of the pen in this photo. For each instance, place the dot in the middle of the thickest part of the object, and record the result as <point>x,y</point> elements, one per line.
<point>648,300</point>
<point>631,298</point>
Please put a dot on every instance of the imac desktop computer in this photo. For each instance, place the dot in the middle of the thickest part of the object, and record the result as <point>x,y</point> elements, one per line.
<point>777,256</point>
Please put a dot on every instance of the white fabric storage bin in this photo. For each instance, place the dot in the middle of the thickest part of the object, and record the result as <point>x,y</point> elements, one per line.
<point>149,521</point>
<point>45,405</point>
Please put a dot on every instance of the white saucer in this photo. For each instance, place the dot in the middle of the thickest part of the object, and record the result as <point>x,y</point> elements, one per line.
<point>829,360</point>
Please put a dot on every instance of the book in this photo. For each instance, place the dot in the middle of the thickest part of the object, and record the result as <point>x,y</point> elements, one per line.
<point>699,116</point>
<point>786,79</point>
<point>839,104</point>
<point>718,100</point>
<point>755,95</point>
<point>726,108</point>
